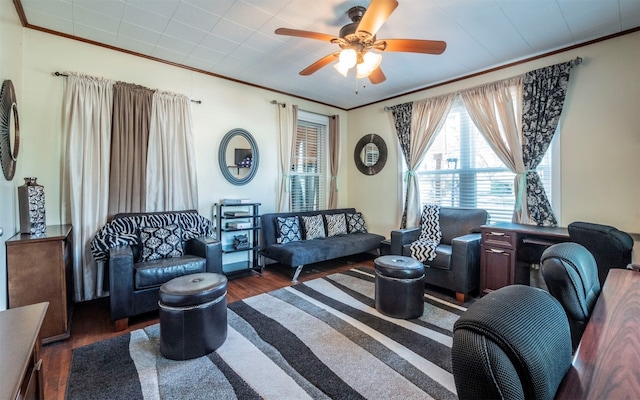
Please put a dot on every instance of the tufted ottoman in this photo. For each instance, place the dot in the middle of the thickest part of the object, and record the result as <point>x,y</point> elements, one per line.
<point>193,315</point>
<point>399,286</point>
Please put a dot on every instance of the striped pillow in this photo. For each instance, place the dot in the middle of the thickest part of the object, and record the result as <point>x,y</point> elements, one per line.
<point>336,224</point>
<point>313,226</point>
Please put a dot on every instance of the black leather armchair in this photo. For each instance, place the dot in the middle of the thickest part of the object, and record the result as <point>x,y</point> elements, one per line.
<point>610,247</point>
<point>457,263</point>
<point>514,343</point>
<point>134,285</point>
<point>571,276</point>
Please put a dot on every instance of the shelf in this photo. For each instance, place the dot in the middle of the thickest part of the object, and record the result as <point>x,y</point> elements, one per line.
<point>236,261</point>
<point>230,249</point>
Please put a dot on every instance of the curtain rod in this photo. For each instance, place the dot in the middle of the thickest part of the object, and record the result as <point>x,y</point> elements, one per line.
<point>310,112</point>
<point>65,75</point>
<point>276,102</point>
<point>574,62</point>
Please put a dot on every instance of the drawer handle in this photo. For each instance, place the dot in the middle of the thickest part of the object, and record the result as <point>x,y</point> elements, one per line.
<point>497,233</point>
<point>38,365</point>
<point>498,251</point>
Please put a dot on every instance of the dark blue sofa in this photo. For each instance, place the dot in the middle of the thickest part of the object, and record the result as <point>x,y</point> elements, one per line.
<point>303,252</point>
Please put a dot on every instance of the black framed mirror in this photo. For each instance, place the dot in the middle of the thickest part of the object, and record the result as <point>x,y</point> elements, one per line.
<point>238,156</point>
<point>9,130</point>
<point>370,154</point>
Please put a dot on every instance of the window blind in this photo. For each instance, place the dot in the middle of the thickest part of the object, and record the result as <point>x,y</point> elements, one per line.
<point>461,170</point>
<point>308,169</point>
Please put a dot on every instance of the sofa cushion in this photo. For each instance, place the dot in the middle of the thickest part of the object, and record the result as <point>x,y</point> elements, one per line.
<point>161,242</point>
<point>313,227</point>
<point>355,223</point>
<point>455,222</point>
<point>156,272</point>
<point>441,261</point>
<point>336,224</point>
<point>288,229</point>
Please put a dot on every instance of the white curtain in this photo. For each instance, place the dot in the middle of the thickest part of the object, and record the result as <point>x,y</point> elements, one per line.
<point>496,110</point>
<point>427,119</point>
<point>171,164</point>
<point>287,123</point>
<point>85,196</point>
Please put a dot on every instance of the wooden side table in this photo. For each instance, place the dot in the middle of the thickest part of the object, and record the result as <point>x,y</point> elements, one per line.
<point>20,370</point>
<point>39,270</point>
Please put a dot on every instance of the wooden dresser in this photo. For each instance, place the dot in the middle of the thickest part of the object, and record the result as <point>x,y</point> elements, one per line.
<point>39,270</point>
<point>20,370</point>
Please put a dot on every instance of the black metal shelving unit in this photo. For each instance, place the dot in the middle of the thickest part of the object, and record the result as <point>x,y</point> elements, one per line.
<point>238,260</point>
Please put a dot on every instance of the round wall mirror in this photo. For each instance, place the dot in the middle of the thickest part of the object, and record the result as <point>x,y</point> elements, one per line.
<point>238,156</point>
<point>9,130</point>
<point>370,154</point>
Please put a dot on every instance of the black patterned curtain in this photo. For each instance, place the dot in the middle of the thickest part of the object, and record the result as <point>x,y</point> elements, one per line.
<point>402,120</point>
<point>543,98</point>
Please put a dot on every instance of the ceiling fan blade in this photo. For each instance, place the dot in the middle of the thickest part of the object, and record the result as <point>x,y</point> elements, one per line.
<point>377,76</point>
<point>319,64</point>
<point>305,34</point>
<point>375,16</point>
<point>413,45</point>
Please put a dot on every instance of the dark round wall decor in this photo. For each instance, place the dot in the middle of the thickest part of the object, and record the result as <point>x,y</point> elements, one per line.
<point>9,130</point>
<point>370,154</point>
<point>238,156</point>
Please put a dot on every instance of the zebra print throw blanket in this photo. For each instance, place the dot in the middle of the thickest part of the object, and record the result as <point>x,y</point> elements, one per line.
<point>124,231</point>
<point>424,249</point>
<point>321,339</point>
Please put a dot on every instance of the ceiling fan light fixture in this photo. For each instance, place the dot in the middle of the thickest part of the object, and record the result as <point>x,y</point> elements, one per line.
<point>348,58</point>
<point>370,62</point>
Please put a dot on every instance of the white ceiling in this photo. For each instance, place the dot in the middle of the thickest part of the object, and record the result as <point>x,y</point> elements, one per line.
<point>235,39</point>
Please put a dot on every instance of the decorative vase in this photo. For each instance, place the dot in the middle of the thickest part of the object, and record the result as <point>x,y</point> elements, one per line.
<point>31,207</point>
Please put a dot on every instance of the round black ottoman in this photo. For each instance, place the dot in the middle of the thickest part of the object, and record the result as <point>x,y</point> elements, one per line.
<point>193,315</point>
<point>399,286</point>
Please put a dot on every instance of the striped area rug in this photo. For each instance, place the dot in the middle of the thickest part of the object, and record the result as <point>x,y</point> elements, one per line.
<point>322,339</point>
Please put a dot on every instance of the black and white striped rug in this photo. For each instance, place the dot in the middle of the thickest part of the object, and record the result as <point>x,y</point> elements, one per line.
<point>322,339</point>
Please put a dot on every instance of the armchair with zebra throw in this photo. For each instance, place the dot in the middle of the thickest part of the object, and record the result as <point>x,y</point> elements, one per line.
<point>448,244</point>
<point>144,250</point>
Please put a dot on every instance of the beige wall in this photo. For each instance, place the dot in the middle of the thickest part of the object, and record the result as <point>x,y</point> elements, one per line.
<point>600,139</point>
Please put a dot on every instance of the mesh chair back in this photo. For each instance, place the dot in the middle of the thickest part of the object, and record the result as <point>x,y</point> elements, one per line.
<point>513,343</point>
<point>610,247</point>
<point>571,275</point>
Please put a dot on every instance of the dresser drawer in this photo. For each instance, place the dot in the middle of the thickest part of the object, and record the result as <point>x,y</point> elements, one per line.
<point>499,238</point>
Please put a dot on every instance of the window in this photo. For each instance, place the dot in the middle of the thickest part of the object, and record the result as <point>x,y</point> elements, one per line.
<point>461,170</point>
<point>308,163</point>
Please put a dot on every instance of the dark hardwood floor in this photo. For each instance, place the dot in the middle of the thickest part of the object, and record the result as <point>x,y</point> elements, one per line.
<point>91,322</point>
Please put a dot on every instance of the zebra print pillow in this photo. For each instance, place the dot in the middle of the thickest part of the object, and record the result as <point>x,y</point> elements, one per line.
<point>313,227</point>
<point>336,224</point>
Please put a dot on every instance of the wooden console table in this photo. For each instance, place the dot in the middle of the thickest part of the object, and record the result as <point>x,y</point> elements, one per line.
<point>605,365</point>
<point>39,270</point>
<point>508,250</point>
<point>20,371</point>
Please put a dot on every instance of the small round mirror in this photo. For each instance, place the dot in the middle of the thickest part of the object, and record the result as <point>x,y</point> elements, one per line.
<point>370,154</point>
<point>238,156</point>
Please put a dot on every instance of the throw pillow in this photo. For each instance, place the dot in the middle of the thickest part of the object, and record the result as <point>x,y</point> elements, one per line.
<point>355,223</point>
<point>313,226</point>
<point>288,229</point>
<point>336,224</point>
<point>161,242</point>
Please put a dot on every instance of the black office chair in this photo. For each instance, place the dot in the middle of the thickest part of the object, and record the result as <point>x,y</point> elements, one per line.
<point>514,343</point>
<point>571,276</point>
<point>610,247</point>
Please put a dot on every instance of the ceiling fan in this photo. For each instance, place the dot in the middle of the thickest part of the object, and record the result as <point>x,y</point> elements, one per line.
<point>359,45</point>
